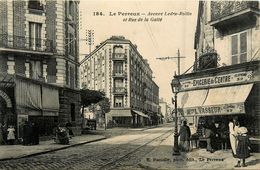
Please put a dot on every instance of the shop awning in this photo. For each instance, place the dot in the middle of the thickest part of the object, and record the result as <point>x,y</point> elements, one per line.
<point>191,98</point>
<point>141,114</point>
<point>50,101</point>
<point>221,101</point>
<point>120,113</point>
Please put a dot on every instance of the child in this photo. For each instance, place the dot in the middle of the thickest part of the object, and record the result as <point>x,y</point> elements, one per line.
<point>10,135</point>
<point>242,146</point>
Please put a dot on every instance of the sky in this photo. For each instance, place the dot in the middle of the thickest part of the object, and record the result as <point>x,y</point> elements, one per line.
<point>170,27</point>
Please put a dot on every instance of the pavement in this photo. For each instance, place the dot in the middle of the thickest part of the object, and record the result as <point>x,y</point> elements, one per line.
<point>19,151</point>
<point>8,152</point>
<point>161,158</point>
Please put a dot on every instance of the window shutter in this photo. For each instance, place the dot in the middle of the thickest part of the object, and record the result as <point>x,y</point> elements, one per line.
<point>243,47</point>
<point>234,49</point>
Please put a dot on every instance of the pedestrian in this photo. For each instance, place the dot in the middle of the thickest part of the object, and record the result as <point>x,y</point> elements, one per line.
<point>209,134</point>
<point>1,134</point>
<point>184,137</point>
<point>68,125</point>
<point>4,130</point>
<point>35,134</point>
<point>242,146</point>
<point>27,133</point>
<point>233,128</point>
<point>10,135</point>
<point>223,135</point>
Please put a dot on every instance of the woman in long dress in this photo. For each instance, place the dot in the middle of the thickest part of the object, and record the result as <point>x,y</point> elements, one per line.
<point>233,128</point>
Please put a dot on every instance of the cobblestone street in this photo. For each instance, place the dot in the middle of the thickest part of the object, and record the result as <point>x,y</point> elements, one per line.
<point>118,152</point>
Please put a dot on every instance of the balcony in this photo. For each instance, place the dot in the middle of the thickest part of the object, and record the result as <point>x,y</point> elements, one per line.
<point>119,74</point>
<point>119,91</point>
<point>119,57</point>
<point>225,13</point>
<point>25,45</point>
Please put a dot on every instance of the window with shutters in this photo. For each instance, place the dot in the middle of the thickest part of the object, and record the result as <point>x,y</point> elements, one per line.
<point>19,66</point>
<point>239,48</point>
<point>35,30</point>
<point>36,70</point>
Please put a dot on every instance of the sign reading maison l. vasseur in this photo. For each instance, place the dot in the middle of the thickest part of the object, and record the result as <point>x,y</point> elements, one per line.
<point>224,109</point>
<point>216,80</point>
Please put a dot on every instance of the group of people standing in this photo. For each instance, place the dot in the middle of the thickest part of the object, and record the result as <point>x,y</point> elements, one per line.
<point>30,133</point>
<point>219,133</point>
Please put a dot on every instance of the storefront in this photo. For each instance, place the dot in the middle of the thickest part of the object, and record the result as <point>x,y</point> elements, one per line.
<point>126,118</point>
<point>222,93</point>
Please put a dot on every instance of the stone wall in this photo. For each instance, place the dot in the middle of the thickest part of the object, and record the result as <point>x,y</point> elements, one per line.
<point>68,99</point>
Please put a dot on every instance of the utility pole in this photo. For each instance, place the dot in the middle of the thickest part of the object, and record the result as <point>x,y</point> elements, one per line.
<point>175,84</point>
<point>90,38</point>
<point>174,57</point>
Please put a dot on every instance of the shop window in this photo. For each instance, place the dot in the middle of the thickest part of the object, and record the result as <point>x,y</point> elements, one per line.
<point>72,112</point>
<point>239,48</point>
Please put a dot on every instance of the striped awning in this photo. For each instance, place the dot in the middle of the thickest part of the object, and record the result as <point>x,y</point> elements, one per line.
<point>141,113</point>
<point>215,101</point>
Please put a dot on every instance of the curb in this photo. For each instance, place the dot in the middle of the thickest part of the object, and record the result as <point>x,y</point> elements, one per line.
<point>146,167</point>
<point>53,150</point>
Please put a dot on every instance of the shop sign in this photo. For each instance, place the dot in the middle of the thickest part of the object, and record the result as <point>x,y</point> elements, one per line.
<point>217,80</point>
<point>225,109</point>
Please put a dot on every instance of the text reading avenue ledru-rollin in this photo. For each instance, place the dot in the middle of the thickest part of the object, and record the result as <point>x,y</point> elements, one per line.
<point>141,16</point>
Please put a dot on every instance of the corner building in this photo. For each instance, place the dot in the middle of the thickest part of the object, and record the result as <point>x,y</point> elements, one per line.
<point>225,81</point>
<point>39,63</point>
<point>118,69</point>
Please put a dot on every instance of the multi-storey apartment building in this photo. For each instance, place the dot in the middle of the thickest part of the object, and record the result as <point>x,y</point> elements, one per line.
<point>118,69</point>
<point>39,62</point>
<point>225,80</point>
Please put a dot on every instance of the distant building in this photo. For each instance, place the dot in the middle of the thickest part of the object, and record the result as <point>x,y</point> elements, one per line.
<point>166,111</point>
<point>118,69</point>
<point>225,80</point>
<point>39,63</point>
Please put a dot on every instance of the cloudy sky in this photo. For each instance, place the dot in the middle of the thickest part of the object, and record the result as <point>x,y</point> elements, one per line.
<point>174,30</point>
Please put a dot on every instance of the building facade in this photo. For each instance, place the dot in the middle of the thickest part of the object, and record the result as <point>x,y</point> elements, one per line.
<point>225,80</point>
<point>39,49</point>
<point>118,69</point>
<point>166,111</point>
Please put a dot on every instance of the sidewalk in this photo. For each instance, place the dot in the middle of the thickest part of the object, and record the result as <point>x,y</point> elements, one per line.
<point>161,158</point>
<point>20,151</point>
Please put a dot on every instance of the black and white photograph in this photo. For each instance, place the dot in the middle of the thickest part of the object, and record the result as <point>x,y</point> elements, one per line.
<point>129,85</point>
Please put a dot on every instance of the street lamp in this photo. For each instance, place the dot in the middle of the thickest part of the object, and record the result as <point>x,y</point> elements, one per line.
<point>175,84</point>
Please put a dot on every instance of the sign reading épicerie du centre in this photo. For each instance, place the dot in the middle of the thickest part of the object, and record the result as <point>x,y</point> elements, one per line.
<point>212,81</point>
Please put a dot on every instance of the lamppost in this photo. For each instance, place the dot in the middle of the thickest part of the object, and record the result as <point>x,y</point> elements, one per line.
<point>175,84</point>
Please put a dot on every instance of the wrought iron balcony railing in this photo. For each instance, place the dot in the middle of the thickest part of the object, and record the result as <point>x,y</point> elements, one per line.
<point>119,56</point>
<point>26,43</point>
<point>220,9</point>
<point>119,74</point>
<point>120,90</point>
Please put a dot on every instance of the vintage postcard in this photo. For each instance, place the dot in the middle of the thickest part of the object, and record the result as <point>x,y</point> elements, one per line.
<point>130,84</point>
